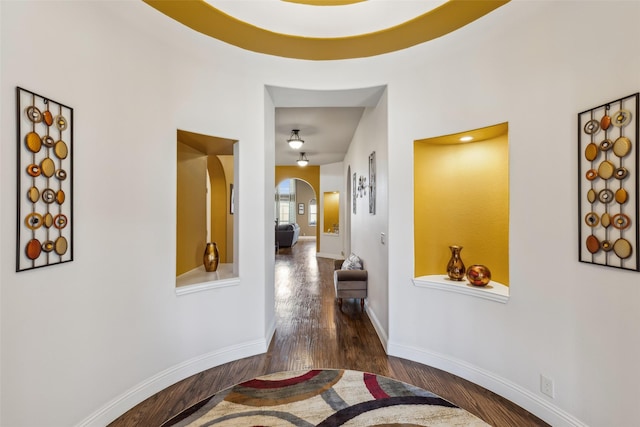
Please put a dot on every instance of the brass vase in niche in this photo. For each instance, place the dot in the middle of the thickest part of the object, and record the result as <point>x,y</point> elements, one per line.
<point>211,257</point>
<point>455,267</point>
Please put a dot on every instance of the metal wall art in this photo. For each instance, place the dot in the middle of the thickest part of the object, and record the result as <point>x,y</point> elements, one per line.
<point>372,183</point>
<point>608,184</point>
<point>45,181</point>
<point>362,186</point>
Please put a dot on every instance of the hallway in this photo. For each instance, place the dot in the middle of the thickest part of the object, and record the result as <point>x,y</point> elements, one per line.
<point>312,331</point>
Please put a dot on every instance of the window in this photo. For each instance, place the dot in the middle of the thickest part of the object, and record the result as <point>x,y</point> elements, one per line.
<point>286,202</point>
<point>313,209</point>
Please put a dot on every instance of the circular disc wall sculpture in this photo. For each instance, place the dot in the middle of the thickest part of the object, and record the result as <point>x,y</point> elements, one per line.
<point>45,184</point>
<point>608,184</point>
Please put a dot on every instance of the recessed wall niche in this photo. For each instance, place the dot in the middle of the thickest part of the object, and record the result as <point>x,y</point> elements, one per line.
<point>461,197</point>
<point>205,170</point>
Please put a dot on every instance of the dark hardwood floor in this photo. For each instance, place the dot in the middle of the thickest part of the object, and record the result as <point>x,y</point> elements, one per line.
<point>312,331</point>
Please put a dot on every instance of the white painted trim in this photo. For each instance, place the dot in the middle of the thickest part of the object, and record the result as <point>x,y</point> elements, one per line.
<point>326,255</point>
<point>201,287</point>
<point>199,279</point>
<point>172,375</point>
<point>271,331</point>
<point>537,405</point>
<point>382,335</point>
<point>494,291</point>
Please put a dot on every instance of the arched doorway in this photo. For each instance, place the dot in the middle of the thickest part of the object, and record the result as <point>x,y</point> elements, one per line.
<point>296,202</point>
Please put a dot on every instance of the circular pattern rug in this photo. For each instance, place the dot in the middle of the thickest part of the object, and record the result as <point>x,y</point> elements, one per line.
<point>324,398</point>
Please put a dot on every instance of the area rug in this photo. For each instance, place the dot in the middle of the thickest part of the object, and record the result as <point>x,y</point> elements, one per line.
<point>325,398</point>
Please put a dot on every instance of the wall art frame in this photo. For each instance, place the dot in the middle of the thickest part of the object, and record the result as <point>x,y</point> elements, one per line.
<point>608,183</point>
<point>354,193</point>
<point>44,229</point>
<point>372,183</point>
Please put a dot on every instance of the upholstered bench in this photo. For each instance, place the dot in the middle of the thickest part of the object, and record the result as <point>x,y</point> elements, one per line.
<point>287,235</point>
<point>350,279</point>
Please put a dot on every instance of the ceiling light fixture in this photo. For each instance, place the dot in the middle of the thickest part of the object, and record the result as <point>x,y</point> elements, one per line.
<point>466,138</point>
<point>294,140</point>
<point>302,160</point>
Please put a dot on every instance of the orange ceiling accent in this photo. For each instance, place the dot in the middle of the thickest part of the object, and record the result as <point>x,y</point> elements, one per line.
<point>206,19</point>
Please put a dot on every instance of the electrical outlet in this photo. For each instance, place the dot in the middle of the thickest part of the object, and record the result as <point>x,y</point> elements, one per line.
<point>546,386</point>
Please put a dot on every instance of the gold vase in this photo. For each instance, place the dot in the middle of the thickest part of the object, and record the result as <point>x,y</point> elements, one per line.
<point>455,267</point>
<point>479,275</point>
<point>211,257</point>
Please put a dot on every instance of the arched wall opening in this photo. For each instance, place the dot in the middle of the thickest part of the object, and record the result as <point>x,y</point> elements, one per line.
<point>308,174</point>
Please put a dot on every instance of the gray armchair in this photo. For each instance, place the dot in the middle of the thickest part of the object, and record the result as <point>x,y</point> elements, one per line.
<point>349,283</point>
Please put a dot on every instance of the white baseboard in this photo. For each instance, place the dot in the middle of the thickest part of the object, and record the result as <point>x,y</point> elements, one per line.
<point>271,331</point>
<point>528,400</point>
<point>382,334</point>
<point>164,379</point>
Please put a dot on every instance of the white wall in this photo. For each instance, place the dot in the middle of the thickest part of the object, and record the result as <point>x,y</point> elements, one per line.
<point>111,317</point>
<point>331,179</point>
<point>269,286</point>
<point>535,65</point>
<point>366,229</point>
<point>104,331</point>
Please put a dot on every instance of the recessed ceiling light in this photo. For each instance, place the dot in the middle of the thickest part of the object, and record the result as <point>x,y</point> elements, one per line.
<point>466,138</point>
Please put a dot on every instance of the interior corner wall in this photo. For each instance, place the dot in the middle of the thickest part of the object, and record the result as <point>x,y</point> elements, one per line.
<point>369,232</point>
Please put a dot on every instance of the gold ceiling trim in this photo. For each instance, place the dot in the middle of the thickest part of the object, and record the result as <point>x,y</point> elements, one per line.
<point>206,19</point>
<point>324,2</point>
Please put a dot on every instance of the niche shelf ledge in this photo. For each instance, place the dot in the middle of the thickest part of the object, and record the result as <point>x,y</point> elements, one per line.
<point>198,280</point>
<point>494,291</point>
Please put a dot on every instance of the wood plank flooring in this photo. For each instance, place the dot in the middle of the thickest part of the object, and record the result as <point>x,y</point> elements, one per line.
<point>312,331</point>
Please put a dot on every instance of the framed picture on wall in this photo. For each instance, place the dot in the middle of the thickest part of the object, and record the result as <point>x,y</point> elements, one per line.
<point>372,183</point>
<point>354,192</point>
<point>300,208</point>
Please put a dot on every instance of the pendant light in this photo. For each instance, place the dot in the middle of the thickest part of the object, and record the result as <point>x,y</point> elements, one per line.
<point>294,140</point>
<point>302,160</point>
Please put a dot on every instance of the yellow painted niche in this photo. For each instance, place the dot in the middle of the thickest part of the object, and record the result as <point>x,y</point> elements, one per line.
<point>331,212</point>
<point>461,197</point>
<point>198,156</point>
